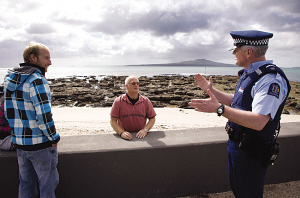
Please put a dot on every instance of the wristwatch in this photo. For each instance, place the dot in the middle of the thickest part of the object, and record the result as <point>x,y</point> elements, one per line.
<point>146,130</point>
<point>220,110</point>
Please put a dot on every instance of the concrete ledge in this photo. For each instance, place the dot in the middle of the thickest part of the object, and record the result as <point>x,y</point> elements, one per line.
<point>164,164</point>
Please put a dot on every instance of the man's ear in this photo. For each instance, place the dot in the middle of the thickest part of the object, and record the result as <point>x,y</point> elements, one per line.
<point>33,58</point>
<point>249,52</point>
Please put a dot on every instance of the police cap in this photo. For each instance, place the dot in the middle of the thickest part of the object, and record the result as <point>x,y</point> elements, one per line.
<point>250,37</point>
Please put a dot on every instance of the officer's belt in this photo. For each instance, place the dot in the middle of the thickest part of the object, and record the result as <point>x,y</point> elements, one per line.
<point>232,133</point>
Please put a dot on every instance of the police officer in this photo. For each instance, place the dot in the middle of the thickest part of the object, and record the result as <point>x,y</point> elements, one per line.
<point>253,112</point>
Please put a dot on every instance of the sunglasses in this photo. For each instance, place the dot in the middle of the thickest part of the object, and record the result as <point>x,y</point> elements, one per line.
<point>236,49</point>
<point>135,83</point>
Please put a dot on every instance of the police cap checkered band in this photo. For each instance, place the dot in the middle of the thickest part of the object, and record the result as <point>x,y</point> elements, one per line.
<point>250,37</point>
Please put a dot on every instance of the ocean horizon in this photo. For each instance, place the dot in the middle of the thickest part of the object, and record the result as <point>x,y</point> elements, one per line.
<point>293,74</point>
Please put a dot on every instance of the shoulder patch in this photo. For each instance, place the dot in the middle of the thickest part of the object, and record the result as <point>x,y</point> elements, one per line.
<point>274,90</point>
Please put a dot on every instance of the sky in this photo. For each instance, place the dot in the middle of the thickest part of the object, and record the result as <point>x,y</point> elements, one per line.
<point>122,32</point>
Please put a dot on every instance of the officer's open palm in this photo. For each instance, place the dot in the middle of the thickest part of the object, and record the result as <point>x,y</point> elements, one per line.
<point>209,105</point>
<point>203,83</point>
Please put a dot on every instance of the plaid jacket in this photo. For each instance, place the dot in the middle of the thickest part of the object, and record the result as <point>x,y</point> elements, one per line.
<point>28,108</point>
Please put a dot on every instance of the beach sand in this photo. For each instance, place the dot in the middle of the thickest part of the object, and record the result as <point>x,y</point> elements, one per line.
<point>88,121</point>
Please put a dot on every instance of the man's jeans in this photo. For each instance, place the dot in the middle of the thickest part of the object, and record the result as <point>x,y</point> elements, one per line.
<point>38,166</point>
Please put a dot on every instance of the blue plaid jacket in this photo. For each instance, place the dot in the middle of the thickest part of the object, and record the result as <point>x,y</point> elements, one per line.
<point>28,108</point>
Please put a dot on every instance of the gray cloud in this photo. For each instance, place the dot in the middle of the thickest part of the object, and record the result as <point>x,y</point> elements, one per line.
<point>69,21</point>
<point>288,6</point>
<point>282,23</point>
<point>159,22</point>
<point>40,28</point>
<point>11,53</point>
<point>163,34</point>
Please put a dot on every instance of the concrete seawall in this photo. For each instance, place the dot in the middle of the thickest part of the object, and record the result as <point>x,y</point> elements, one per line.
<point>164,164</point>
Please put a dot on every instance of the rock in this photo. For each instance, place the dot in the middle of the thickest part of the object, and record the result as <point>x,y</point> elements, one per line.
<point>173,102</point>
<point>292,104</point>
<point>161,90</point>
<point>180,92</point>
<point>190,93</point>
<point>169,97</point>
<point>108,103</point>
<point>285,111</point>
<point>183,104</point>
<point>297,108</point>
<point>118,92</point>
<point>154,98</point>
<point>157,104</point>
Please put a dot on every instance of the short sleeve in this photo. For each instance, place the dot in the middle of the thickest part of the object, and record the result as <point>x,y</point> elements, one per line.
<point>268,94</point>
<point>115,109</point>
<point>151,112</point>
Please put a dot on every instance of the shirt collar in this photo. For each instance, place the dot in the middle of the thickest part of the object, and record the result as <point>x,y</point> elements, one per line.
<point>256,65</point>
<point>126,98</point>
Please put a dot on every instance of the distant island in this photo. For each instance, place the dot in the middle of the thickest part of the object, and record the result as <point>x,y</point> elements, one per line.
<point>197,62</point>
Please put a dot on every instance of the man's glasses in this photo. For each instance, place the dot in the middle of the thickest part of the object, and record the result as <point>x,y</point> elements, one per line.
<point>135,83</point>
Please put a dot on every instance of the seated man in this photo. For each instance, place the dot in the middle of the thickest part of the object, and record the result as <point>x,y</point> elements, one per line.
<point>130,111</point>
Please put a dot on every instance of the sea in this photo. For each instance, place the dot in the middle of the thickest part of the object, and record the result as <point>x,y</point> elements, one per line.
<point>99,72</point>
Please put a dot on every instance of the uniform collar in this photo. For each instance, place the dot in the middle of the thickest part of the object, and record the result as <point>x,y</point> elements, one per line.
<point>256,65</point>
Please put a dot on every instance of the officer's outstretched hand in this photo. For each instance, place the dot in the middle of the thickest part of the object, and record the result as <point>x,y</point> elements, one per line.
<point>203,83</point>
<point>209,105</point>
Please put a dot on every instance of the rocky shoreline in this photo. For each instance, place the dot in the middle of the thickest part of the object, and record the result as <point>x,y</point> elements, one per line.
<point>162,90</point>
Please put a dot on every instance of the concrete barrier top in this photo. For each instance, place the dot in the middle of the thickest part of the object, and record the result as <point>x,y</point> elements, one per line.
<point>154,139</point>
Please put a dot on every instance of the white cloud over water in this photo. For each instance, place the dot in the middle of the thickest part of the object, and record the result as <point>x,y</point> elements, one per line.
<point>101,32</point>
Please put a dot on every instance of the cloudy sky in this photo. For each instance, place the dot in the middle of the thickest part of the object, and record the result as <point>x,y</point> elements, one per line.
<point>119,32</point>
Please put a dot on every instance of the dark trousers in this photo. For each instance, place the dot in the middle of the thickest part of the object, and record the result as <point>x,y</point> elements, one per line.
<point>246,174</point>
